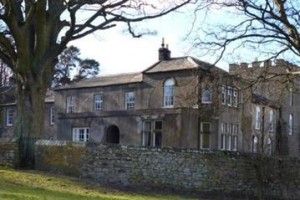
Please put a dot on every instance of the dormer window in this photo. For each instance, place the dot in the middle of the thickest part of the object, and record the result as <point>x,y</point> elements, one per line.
<point>169,93</point>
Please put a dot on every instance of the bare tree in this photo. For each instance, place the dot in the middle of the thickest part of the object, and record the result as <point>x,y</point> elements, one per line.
<point>269,28</point>
<point>36,31</point>
<point>6,75</point>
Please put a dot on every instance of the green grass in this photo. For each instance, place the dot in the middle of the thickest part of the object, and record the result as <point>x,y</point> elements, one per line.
<point>32,185</point>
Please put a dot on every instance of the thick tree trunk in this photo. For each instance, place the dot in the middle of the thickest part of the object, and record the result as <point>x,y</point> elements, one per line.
<point>30,119</point>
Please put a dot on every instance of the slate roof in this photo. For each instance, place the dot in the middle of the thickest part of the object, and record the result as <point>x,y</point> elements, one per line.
<point>107,80</point>
<point>173,64</point>
<point>8,96</point>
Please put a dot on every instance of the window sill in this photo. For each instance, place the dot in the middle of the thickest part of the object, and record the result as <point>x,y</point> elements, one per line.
<point>168,107</point>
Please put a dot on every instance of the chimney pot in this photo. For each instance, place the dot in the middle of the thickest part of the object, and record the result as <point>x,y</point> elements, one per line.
<point>164,53</point>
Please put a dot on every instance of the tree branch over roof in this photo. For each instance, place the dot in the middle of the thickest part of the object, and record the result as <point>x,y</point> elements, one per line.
<point>56,23</point>
<point>257,24</point>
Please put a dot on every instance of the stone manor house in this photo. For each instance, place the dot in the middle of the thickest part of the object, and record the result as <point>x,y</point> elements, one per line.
<point>177,102</point>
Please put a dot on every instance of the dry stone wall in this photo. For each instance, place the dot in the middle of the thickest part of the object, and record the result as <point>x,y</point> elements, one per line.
<point>8,153</point>
<point>179,169</point>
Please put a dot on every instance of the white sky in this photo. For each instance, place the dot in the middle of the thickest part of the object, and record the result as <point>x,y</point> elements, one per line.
<point>118,52</point>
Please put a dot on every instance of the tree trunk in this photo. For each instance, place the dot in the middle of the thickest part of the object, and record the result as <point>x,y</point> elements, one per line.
<point>30,119</point>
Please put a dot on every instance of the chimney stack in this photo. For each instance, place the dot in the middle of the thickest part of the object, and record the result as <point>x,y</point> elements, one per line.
<point>163,52</point>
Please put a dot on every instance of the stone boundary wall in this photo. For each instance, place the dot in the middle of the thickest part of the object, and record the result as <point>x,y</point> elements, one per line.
<point>8,153</point>
<point>61,157</point>
<point>179,169</point>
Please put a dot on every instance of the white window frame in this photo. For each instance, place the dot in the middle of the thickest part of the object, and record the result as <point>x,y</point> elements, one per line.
<point>291,124</point>
<point>206,96</point>
<point>52,115</point>
<point>291,96</point>
<point>271,121</point>
<point>149,135</point>
<point>223,96</point>
<point>129,101</point>
<point>229,138</point>
<point>254,144</point>
<point>229,96</point>
<point>98,102</point>
<point>235,98</point>
<point>169,93</point>
<point>10,116</point>
<point>235,130</point>
<point>71,105</point>
<point>269,146</point>
<point>81,134</point>
<point>257,118</point>
<point>223,137</point>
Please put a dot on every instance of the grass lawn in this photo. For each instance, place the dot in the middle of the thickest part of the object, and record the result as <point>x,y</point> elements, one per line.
<point>24,185</point>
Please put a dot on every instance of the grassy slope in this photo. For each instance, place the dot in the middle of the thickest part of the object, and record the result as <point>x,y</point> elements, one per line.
<point>27,185</point>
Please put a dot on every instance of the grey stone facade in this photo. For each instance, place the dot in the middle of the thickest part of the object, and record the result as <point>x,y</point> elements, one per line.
<point>177,102</point>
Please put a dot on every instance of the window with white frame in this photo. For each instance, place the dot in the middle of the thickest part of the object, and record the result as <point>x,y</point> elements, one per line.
<point>271,121</point>
<point>291,124</point>
<point>98,102</point>
<point>254,144</point>
<point>70,104</point>
<point>223,136</point>
<point>235,98</point>
<point>229,96</point>
<point>206,96</point>
<point>129,100</point>
<point>229,137</point>
<point>152,133</point>
<point>257,117</point>
<point>223,97</point>
<point>169,93</point>
<point>291,96</point>
<point>10,112</point>
<point>205,135</point>
<point>269,146</point>
<point>234,137</point>
<point>80,134</point>
<point>52,115</point>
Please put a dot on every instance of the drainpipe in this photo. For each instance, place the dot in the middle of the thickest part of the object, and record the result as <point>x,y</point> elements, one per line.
<point>198,128</point>
<point>263,130</point>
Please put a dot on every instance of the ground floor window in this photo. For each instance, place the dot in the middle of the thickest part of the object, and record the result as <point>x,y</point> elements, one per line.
<point>205,131</point>
<point>255,144</point>
<point>81,134</point>
<point>152,133</point>
<point>229,137</point>
<point>269,146</point>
